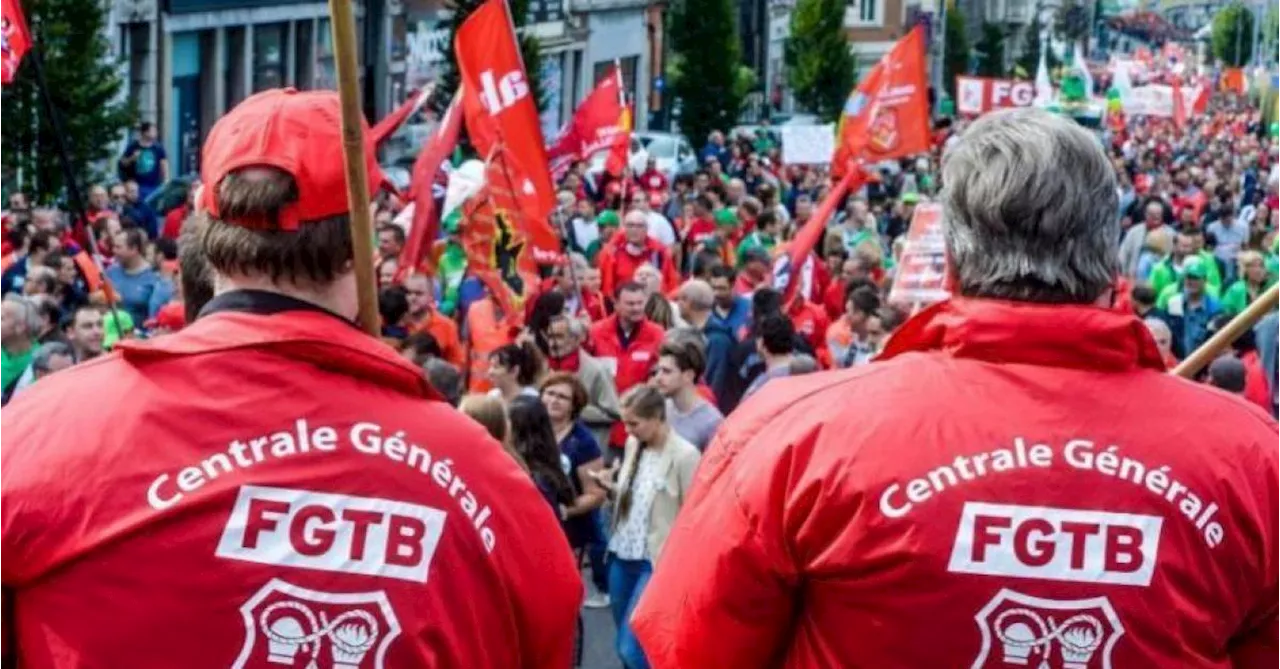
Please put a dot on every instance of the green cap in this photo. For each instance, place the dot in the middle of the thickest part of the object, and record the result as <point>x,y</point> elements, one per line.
<point>725,216</point>
<point>1194,269</point>
<point>608,218</point>
<point>910,198</point>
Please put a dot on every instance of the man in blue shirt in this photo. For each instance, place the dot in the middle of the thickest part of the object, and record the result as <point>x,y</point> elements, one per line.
<point>1190,311</point>
<point>730,310</point>
<point>144,161</point>
<point>141,289</point>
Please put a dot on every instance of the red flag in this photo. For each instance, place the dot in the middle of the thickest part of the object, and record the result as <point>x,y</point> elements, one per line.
<point>602,122</point>
<point>1179,105</point>
<point>16,39</point>
<point>887,115</point>
<point>479,240</point>
<point>426,219</point>
<point>788,265</point>
<point>392,122</point>
<point>500,110</point>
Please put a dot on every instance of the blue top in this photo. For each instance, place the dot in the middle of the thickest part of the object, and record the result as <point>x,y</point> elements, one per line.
<point>580,448</point>
<point>141,294</point>
<point>737,317</point>
<point>146,169</point>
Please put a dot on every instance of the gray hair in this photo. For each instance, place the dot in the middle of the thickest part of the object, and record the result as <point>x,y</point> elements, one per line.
<point>31,319</point>
<point>445,378</point>
<point>1031,210</point>
<point>44,355</point>
<point>699,294</point>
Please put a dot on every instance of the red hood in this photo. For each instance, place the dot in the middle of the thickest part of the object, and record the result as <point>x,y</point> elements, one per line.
<point>317,338</point>
<point>1077,336</point>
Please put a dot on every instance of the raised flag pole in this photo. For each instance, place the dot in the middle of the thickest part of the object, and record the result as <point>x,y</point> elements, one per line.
<point>344,52</point>
<point>74,200</point>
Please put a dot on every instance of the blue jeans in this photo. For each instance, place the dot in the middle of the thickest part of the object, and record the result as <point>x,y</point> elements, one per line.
<point>627,579</point>
<point>597,550</point>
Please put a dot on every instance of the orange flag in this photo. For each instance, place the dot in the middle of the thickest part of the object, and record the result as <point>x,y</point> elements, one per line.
<point>499,110</point>
<point>887,115</point>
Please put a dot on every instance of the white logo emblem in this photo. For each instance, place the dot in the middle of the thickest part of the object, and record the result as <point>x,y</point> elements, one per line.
<point>286,625</point>
<point>1047,633</point>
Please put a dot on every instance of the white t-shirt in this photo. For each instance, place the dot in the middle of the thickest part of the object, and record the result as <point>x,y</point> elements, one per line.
<point>661,229</point>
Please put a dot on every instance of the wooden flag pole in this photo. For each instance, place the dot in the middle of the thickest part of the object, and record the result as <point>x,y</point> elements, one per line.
<point>1229,333</point>
<point>344,52</point>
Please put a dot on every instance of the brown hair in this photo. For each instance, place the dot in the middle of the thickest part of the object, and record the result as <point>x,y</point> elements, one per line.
<point>576,390</point>
<point>194,276</point>
<point>491,414</point>
<point>246,238</point>
<point>647,403</point>
<point>688,356</point>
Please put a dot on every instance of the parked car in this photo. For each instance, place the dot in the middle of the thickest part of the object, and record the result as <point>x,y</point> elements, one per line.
<point>672,153</point>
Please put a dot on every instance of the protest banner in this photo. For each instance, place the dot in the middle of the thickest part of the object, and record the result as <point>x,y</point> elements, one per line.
<point>921,278</point>
<point>807,144</point>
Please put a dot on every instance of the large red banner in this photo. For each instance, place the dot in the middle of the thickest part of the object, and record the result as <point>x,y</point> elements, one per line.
<point>500,112</point>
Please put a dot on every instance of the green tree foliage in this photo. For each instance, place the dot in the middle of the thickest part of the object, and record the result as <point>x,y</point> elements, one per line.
<point>820,65</point>
<point>1271,35</point>
<point>1029,59</point>
<point>955,60</point>
<point>990,51</point>
<point>85,87</point>
<point>708,55</point>
<point>530,52</point>
<point>1232,35</point>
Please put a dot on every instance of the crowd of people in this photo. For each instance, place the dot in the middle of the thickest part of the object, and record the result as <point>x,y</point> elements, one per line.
<point>663,317</point>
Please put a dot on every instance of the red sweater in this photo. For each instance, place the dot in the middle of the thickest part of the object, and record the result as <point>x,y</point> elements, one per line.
<point>618,265</point>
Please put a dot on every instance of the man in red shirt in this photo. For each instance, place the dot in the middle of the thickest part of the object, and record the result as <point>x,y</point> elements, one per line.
<point>627,342</point>
<point>271,486</point>
<point>652,179</point>
<point>634,247</point>
<point>981,507</point>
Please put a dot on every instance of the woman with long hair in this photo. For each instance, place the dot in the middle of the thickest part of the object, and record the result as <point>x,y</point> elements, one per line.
<point>657,471</point>
<point>491,414</point>
<point>533,439</point>
<point>514,369</point>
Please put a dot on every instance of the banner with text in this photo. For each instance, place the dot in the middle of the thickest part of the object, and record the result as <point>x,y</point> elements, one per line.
<point>979,95</point>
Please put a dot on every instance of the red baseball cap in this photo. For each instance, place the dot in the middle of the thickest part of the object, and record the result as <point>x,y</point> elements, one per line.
<point>299,132</point>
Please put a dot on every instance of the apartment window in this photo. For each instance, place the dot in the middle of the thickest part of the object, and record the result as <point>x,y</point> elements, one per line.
<point>866,13</point>
<point>268,56</point>
<point>629,66</point>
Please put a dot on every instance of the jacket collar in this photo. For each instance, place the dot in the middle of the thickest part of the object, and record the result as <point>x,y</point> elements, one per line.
<point>1078,336</point>
<point>310,336</point>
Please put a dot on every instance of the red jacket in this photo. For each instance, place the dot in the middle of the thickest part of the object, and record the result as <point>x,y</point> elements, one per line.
<point>618,265</point>
<point>279,486</point>
<point>981,507</point>
<point>631,361</point>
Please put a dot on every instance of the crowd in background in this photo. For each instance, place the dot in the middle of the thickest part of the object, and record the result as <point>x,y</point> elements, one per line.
<point>662,317</point>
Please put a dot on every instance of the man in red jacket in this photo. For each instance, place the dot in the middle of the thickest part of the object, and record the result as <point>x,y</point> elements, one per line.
<point>1022,483</point>
<point>628,343</point>
<point>270,486</point>
<point>633,248</point>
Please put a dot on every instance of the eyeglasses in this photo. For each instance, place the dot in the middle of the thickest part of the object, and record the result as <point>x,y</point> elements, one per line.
<point>550,394</point>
